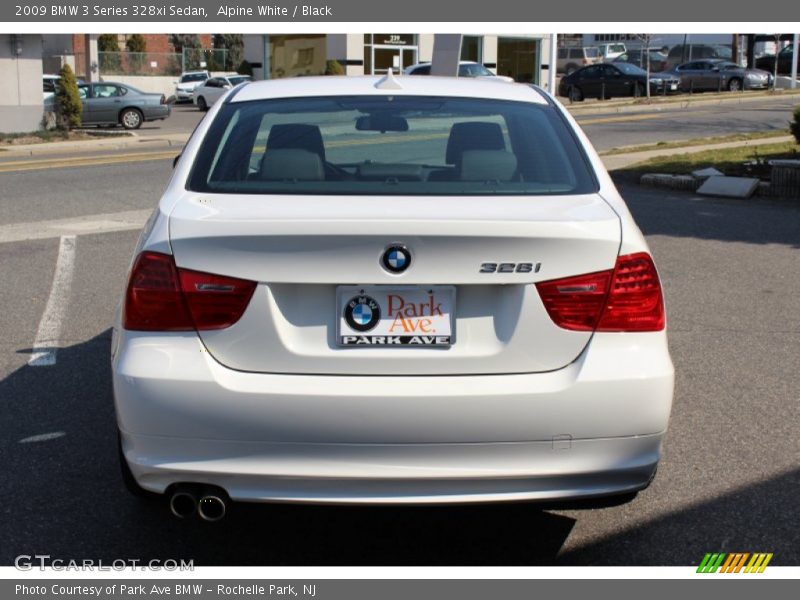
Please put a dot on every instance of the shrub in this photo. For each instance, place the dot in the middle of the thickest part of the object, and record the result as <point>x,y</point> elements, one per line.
<point>794,126</point>
<point>136,46</point>
<point>68,101</point>
<point>245,68</point>
<point>334,67</point>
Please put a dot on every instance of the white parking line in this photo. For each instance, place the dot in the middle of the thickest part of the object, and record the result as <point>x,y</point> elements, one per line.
<point>43,437</point>
<point>87,224</point>
<point>45,345</point>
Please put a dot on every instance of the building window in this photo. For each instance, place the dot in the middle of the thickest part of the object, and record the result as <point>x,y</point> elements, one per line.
<point>296,55</point>
<point>384,51</point>
<point>472,48</point>
<point>519,58</point>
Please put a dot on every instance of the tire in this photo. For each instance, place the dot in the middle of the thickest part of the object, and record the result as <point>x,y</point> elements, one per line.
<point>131,118</point>
<point>735,85</point>
<point>575,94</point>
<point>201,104</point>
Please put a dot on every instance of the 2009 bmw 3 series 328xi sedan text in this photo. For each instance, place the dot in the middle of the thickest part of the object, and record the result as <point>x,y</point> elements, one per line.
<point>389,290</point>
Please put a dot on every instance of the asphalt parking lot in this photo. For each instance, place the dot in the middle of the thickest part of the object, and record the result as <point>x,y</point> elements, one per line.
<point>728,481</point>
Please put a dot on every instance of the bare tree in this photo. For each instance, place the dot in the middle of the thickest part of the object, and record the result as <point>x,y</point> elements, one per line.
<point>645,39</point>
<point>777,37</point>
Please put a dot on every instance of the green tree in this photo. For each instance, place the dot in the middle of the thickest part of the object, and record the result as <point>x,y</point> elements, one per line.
<point>68,101</point>
<point>233,44</point>
<point>136,45</point>
<point>190,46</point>
<point>794,126</point>
<point>334,67</point>
<point>108,48</point>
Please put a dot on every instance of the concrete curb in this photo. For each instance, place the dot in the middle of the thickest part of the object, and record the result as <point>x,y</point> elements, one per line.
<point>657,106</point>
<point>111,143</point>
<point>688,183</point>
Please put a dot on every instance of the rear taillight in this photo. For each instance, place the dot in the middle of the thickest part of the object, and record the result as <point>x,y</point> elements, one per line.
<point>163,99</point>
<point>161,297</point>
<point>627,298</point>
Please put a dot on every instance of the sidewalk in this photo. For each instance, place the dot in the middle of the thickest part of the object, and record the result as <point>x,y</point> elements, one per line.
<point>100,143</point>
<point>621,161</point>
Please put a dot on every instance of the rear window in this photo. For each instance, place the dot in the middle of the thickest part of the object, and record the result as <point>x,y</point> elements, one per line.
<point>192,77</point>
<point>390,145</point>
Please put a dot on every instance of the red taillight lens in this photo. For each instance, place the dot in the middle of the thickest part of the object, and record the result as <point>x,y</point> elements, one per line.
<point>161,297</point>
<point>215,302</point>
<point>626,299</point>
<point>576,302</point>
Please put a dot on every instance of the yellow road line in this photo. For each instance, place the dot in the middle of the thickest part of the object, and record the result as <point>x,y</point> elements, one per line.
<point>83,161</point>
<point>620,119</point>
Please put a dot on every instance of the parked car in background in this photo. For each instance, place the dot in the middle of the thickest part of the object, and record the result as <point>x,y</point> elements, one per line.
<point>785,55</point>
<point>208,92</point>
<point>658,60</point>
<point>187,83</point>
<point>571,59</point>
<point>717,75</point>
<point>613,80</point>
<point>380,290</point>
<point>683,53</point>
<point>110,103</point>
<point>609,52</point>
<point>49,85</point>
<point>466,68</point>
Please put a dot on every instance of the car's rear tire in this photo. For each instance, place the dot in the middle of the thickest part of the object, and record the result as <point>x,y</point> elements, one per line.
<point>575,94</point>
<point>201,104</point>
<point>735,85</point>
<point>131,118</point>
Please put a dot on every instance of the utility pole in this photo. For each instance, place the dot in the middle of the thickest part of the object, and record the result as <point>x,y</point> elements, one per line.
<point>551,72</point>
<point>795,54</point>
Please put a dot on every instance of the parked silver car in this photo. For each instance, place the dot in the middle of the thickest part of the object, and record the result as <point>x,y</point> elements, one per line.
<point>718,75</point>
<point>110,103</point>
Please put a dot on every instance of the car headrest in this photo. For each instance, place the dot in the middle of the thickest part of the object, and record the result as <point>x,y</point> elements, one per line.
<point>488,165</point>
<point>298,136</point>
<point>474,135</point>
<point>292,164</point>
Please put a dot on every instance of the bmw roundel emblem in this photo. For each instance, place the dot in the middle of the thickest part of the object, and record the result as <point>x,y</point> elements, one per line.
<point>396,258</point>
<point>362,313</point>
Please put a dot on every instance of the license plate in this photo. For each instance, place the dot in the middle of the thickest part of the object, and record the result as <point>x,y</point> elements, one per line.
<point>395,316</point>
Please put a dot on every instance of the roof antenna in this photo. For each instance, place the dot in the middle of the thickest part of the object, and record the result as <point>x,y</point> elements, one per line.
<point>389,81</point>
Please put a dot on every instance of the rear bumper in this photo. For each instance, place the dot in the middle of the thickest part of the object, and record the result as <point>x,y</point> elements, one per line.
<point>157,113</point>
<point>397,474</point>
<point>592,428</point>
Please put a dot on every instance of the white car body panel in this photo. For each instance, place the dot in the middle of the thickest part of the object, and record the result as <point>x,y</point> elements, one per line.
<point>269,410</point>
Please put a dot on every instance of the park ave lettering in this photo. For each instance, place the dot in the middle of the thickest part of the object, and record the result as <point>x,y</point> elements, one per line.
<point>412,317</point>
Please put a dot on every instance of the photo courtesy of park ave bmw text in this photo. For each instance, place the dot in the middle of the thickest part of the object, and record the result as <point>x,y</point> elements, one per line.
<point>295,308</point>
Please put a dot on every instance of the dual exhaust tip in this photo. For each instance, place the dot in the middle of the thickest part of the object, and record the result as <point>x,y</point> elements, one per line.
<point>209,504</point>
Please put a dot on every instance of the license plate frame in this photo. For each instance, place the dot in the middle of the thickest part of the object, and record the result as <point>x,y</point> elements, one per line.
<point>409,316</point>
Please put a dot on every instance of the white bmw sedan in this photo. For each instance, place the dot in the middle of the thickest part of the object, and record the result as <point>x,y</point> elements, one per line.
<point>389,290</point>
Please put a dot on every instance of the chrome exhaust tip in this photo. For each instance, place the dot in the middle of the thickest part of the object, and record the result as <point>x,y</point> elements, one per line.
<point>182,504</point>
<point>211,508</point>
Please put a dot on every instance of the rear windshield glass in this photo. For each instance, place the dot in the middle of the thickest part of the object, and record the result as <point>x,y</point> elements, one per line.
<point>191,77</point>
<point>390,145</point>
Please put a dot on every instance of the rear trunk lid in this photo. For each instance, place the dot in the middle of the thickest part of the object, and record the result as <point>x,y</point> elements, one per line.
<point>302,249</point>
